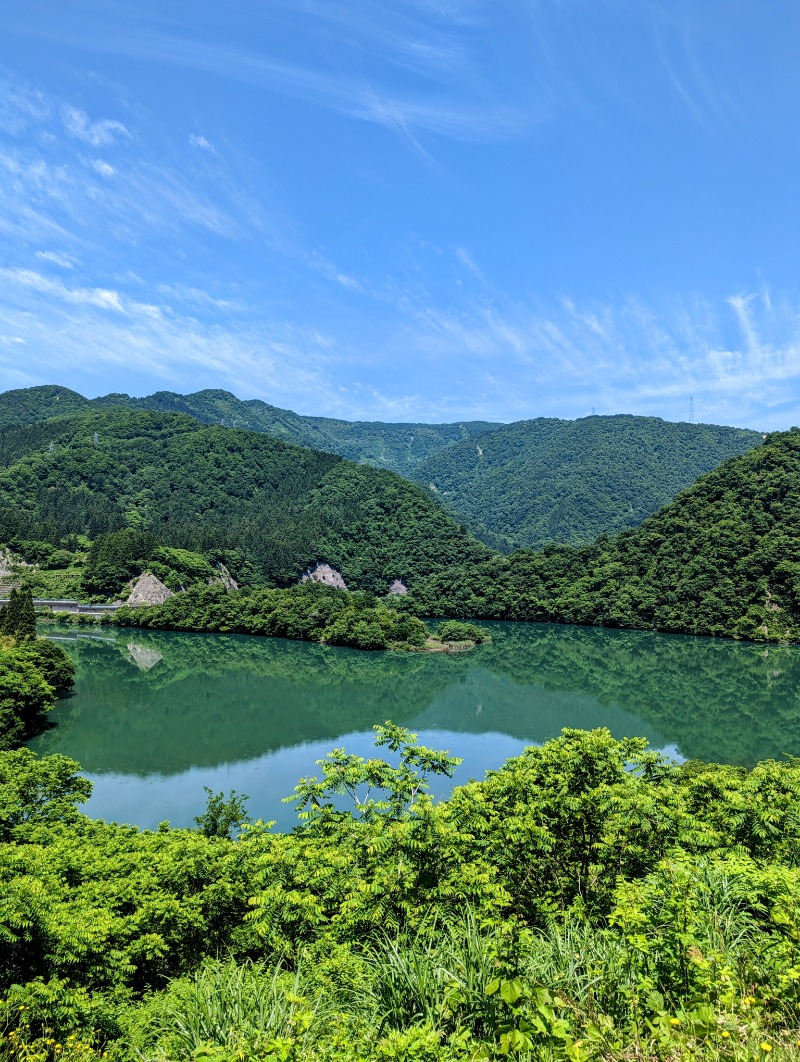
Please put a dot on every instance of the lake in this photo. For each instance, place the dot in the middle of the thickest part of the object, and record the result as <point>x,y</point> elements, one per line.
<point>155,717</point>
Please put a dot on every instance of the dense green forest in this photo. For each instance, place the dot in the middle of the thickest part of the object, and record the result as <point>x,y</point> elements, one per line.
<point>588,901</point>
<point>397,447</point>
<point>567,481</point>
<point>721,559</point>
<point>516,485</point>
<point>164,492</point>
<point>266,509</point>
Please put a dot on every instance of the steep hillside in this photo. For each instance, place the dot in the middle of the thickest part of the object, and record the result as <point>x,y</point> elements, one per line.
<point>545,480</point>
<point>723,559</point>
<point>267,508</point>
<point>514,485</point>
<point>397,447</point>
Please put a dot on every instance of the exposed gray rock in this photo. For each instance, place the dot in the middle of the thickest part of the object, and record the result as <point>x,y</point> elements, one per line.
<point>398,587</point>
<point>323,573</point>
<point>148,590</point>
<point>223,576</point>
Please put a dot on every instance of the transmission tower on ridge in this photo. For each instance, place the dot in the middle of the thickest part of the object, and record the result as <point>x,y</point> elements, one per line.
<point>691,410</point>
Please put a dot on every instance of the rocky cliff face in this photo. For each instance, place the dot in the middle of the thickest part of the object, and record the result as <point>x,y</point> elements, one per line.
<point>324,573</point>
<point>223,576</point>
<point>148,590</point>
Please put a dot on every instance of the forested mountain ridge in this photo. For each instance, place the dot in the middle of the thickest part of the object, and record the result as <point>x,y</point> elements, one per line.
<point>514,485</point>
<point>268,508</point>
<point>723,558</point>
<point>543,481</point>
<point>394,446</point>
<point>28,405</point>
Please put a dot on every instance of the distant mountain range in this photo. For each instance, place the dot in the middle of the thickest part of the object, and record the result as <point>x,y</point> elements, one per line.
<point>396,447</point>
<point>723,558</point>
<point>513,485</point>
<point>267,508</point>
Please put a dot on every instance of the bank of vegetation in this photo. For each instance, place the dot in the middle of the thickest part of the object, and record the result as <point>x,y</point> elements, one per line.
<point>34,672</point>
<point>309,612</point>
<point>587,901</point>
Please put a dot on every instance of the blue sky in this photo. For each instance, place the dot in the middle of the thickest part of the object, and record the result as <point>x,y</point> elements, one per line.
<point>406,209</point>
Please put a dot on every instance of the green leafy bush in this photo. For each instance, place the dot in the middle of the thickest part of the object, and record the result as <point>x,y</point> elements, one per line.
<point>455,631</point>
<point>588,901</point>
<point>309,612</point>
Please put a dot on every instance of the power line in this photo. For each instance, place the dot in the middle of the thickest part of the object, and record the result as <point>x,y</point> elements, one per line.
<point>691,410</point>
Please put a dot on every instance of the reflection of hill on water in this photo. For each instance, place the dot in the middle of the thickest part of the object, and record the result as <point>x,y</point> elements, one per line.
<point>150,701</point>
<point>482,700</point>
<point>217,698</point>
<point>734,702</point>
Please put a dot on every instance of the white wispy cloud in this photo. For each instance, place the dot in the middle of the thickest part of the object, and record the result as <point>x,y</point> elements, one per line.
<point>56,197</point>
<point>21,106</point>
<point>105,169</point>
<point>738,358</point>
<point>455,90</point>
<point>201,142</point>
<point>59,327</point>
<point>63,261</point>
<point>466,259</point>
<point>99,133</point>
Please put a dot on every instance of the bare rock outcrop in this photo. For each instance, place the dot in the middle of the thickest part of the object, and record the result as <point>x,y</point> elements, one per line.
<point>324,573</point>
<point>398,587</point>
<point>223,576</point>
<point>148,590</point>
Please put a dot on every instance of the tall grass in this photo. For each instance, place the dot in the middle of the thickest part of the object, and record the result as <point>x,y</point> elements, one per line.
<point>224,1004</point>
<point>620,993</point>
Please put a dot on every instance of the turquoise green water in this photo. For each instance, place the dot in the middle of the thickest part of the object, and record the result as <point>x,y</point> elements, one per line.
<point>155,717</point>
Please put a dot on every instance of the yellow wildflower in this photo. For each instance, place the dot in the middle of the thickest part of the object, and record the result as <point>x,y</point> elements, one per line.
<point>765,1047</point>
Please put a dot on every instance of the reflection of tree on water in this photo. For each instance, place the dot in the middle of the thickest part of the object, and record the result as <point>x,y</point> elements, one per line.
<point>154,701</point>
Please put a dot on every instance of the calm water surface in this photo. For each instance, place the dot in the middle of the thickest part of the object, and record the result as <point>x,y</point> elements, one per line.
<point>155,717</point>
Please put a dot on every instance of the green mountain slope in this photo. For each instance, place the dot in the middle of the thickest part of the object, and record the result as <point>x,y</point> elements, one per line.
<point>397,447</point>
<point>514,485</point>
<point>545,480</point>
<point>722,559</point>
<point>27,405</point>
<point>268,508</point>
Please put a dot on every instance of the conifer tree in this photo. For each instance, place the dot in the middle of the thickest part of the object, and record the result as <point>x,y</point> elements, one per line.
<point>19,617</point>
<point>26,621</point>
<point>9,614</point>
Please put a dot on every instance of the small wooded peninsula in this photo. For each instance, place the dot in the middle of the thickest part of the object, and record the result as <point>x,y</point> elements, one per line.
<point>592,898</point>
